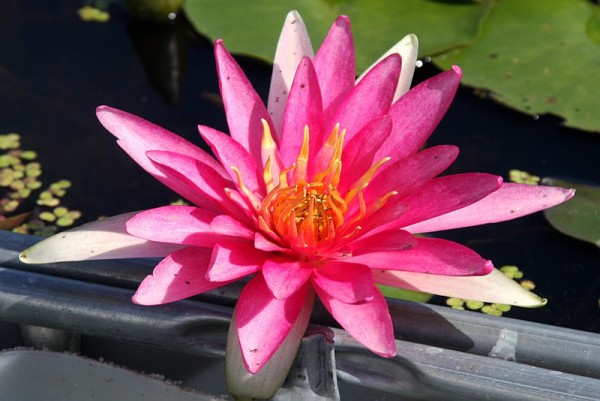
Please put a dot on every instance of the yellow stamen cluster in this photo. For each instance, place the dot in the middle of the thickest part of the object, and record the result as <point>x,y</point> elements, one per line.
<point>310,216</point>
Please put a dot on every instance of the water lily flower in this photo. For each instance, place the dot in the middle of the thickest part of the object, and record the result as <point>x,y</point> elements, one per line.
<point>320,193</point>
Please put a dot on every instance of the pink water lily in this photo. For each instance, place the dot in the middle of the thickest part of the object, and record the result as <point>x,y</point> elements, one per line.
<point>320,193</point>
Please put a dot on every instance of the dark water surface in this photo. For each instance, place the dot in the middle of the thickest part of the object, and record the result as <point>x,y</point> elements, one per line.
<point>56,69</point>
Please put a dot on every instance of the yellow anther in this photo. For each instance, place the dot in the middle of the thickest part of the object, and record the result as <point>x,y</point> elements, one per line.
<point>300,172</point>
<point>254,201</point>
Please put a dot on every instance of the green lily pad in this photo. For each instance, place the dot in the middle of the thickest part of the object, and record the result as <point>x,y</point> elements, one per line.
<point>580,216</point>
<point>538,56</point>
<point>252,28</point>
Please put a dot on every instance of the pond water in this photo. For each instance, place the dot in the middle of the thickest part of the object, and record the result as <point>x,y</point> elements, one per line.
<point>56,69</point>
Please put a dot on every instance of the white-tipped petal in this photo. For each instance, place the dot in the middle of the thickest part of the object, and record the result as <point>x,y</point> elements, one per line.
<point>265,383</point>
<point>294,44</point>
<point>408,49</point>
<point>495,287</point>
<point>101,239</point>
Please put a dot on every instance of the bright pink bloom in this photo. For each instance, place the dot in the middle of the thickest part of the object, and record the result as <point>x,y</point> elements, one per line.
<point>320,193</point>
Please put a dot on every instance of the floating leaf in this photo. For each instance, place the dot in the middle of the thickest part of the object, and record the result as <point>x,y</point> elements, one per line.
<point>538,56</point>
<point>252,28</point>
<point>580,216</point>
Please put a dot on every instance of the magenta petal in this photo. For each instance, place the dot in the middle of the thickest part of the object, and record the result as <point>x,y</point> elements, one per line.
<point>359,152</point>
<point>243,107</point>
<point>303,108</point>
<point>347,282</point>
<point>138,136</point>
<point>194,180</point>
<point>335,65</point>
<point>294,44</point>
<point>232,260</point>
<point>418,112</point>
<point>507,203</point>
<point>369,322</point>
<point>178,276</point>
<point>429,255</point>
<point>285,277</point>
<point>384,241</point>
<point>263,321</point>
<point>370,99</point>
<point>185,225</point>
<point>444,195</point>
<point>231,154</point>
<point>404,176</point>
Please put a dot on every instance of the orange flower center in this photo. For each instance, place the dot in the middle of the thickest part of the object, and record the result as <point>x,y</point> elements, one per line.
<point>311,216</point>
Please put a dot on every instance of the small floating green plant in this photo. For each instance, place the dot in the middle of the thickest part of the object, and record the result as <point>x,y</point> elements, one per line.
<point>20,185</point>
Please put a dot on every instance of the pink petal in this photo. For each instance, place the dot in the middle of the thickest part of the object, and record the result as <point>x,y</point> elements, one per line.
<point>137,136</point>
<point>303,108</point>
<point>335,65</point>
<point>185,225</point>
<point>231,154</point>
<point>429,255</point>
<point>265,383</point>
<point>178,276</point>
<point>263,322</point>
<point>369,322</point>
<point>357,157</point>
<point>494,287</point>
<point>370,99</point>
<point>346,282</point>
<point>440,196</point>
<point>101,239</point>
<point>196,181</point>
<point>285,277</point>
<point>507,203</point>
<point>406,175</point>
<point>418,112</point>
<point>293,46</point>
<point>243,107</point>
<point>389,240</point>
<point>232,260</point>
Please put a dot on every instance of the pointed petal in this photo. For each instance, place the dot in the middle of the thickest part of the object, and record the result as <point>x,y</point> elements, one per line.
<point>263,322</point>
<point>429,255</point>
<point>370,99</point>
<point>138,136</point>
<point>494,287</point>
<point>357,157</point>
<point>335,65</point>
<point>265,383</point>
<point>185,225</point>
<point>285,277</point>
<point>384,241</point>
<point>346,282</point>
<point>303,108</point>
<point>418,112</point>
<point>233,260</point>
<point>102,239</point>
<point>293,46</point>
<point>408,49</point>
<point>231,154</point>
<point>196,181</point>
<point>444,195</point>
<point>178,276</point>
<point>507,203</point>
<point>243,107</point>
<point>369,322</point>
<point>406,175</point>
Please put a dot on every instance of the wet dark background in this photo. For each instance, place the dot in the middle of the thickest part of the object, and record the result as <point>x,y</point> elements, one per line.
<point>56,69</point>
